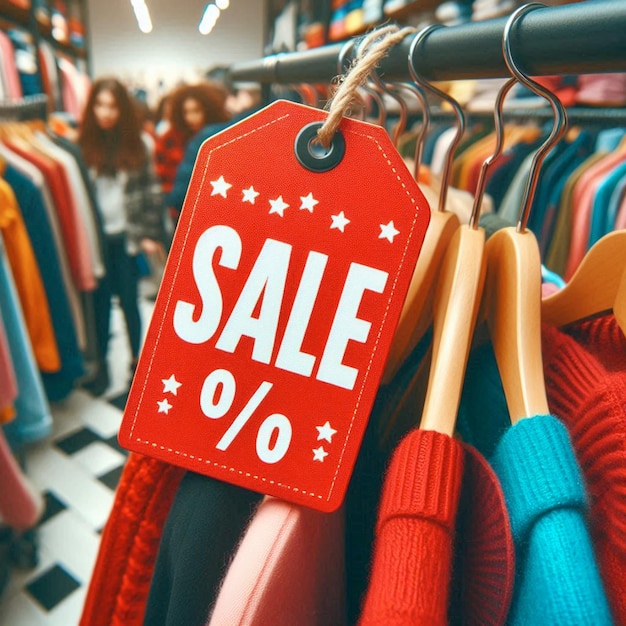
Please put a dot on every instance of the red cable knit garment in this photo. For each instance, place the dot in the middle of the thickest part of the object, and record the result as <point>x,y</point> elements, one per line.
<point>484,567</point>
<point>120,582</point>
<point>413,551</point>
<point>586,384</point>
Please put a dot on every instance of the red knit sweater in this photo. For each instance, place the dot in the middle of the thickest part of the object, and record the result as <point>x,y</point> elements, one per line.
<point>586,384</point>
<point>120,582</point>
<point>484,568</point>
<point>412,565</point>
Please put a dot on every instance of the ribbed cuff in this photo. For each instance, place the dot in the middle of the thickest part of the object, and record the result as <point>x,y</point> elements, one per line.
<point>424,479</point>
<point>538,471</point>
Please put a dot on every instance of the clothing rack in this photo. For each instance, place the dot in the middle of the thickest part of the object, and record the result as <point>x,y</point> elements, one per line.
<point>596,116</point>
<point>583,38</point>
<point>33,107</point>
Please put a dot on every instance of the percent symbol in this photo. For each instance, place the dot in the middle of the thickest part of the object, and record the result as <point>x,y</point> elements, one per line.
<point>216,399</point>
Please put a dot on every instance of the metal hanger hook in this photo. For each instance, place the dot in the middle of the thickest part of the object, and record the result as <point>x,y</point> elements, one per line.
<point>560,114</point>
<point>479,194</point>
<point>456,107</point>
<point>384,88</point>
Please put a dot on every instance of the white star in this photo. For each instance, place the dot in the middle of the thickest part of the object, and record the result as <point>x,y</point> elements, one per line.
<point>170,384</point>
<point>388,231</point>
<point>339,221</point>
<point>278,206</point>
<point>319,454</point>
<point>325,432</point>
<point>250,194</point>
<point>308,202</point>
<point>220,187</point>
<point>164,406</point>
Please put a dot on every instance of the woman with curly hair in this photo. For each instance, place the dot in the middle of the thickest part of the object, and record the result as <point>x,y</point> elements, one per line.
<point>130,207</point>
<point>191,107</point>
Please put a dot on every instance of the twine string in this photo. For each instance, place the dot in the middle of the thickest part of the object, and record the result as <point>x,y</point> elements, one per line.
<point>373,48</point>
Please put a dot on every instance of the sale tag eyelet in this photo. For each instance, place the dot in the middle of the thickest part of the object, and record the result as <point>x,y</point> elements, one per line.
<point>312,155</point>
<point>277,308</point>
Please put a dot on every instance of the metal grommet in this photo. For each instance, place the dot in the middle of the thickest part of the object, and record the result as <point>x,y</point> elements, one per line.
<point>312,155</point>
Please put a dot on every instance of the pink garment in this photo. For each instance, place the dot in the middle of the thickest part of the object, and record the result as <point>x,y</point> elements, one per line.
<point>75,87</point>
<point>8,381</point>
<point>288,569</point>
<point>582,205</point>
<point>7,53</point>
<point>20,506</point>
<point>608,90</point>
<point>547,289</point>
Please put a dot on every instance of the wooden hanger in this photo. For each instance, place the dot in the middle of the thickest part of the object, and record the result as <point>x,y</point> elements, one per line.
<point>512,294</point>
<point>619,308</point>
<point>457,302</point>
<point>455,310</point>
<point>512,308</point>
<point>597,286</point>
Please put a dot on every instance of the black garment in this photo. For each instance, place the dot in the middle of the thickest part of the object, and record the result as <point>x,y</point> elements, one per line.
<point>203,528</point>
<point>122,280</point>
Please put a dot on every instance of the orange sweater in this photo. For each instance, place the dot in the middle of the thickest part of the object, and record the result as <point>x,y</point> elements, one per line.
<point>28,282</point>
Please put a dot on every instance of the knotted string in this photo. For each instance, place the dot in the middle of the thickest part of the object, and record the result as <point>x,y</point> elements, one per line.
<point>373,48</point>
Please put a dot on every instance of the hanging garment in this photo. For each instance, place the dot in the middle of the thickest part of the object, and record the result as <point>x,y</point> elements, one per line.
<point>484,561</point>
<point>558,250</point>
<point>50,73</point>
<point>535,502</point>
<point>92,202</point>
<point>57,384</point>
<point>479,575</point>
<point>81,199</point>
<point>593,362</point>
<point>557,579</point>
<point>33,420</point>
<point>412,566</point>
<point>10,74</point>
<point>74,236</point>
<point>8,381</point>
<point>582,208</point>
<point>363,496</point>
<point>36,177</point>
<point>20,505</point>
<point>605,90</point>
<point>28,282</point>
<point>74,88</point>
<point>563,167</point>
<point>601,223</point>
<point>119,585</point>
<point>288,569</point>
<point>203,527</point>
<point>26,61</point>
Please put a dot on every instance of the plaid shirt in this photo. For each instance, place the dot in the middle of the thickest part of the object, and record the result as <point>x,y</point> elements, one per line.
<point>169,152</point>
<point>144,207</point>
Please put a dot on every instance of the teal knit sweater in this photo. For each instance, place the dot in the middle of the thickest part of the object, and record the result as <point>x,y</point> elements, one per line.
<point>557,579</point>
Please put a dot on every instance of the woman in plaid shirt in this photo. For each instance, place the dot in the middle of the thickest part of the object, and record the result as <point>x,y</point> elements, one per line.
<point>129,202</point>
<point>192,107</point>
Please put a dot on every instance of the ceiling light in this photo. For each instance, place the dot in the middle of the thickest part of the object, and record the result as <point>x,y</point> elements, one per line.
<point>222,4</point>
<point>209,19</point>
<point>142,15</point>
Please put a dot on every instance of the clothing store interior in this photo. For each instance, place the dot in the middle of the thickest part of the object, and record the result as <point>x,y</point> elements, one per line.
<point>465,164</point>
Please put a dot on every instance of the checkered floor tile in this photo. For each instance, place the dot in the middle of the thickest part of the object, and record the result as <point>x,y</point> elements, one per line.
<point>76,471</point>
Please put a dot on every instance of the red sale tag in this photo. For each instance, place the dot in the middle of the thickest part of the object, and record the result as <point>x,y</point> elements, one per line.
<point>278,305</point>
